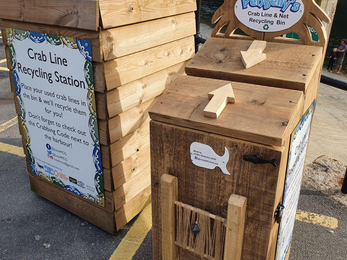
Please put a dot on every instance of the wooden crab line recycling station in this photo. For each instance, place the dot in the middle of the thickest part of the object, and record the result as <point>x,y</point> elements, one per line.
<point>116,111</point>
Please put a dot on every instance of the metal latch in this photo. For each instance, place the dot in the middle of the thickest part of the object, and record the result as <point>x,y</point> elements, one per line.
<point>279,213</point>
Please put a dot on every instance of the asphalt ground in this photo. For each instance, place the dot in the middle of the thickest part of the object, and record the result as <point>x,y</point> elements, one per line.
<point>34,228</point>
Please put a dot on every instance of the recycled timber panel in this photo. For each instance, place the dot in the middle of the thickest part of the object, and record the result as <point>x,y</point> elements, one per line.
<point>286,65</point>
<point>94,37</point>
<point>73,203</point>
<point>125,40</point>
<point>129,121</point>
<point>210,190</point>
<point>133,187</point>
<point>130,167</point>
<point>141,90</point>
<point>138,65</point>
<point>123,148</point>
<point>68,13</point>
<point>129,210</point>
<point>116,13</point>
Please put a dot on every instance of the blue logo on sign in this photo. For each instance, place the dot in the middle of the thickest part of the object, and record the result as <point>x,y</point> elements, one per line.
<point>266,4</point>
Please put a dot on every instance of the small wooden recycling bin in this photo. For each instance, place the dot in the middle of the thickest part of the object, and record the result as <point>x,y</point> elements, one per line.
<point>84,74</point>
<point>244,152</point>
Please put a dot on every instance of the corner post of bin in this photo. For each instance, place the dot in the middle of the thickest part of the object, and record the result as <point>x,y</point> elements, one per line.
<point>169,195</point>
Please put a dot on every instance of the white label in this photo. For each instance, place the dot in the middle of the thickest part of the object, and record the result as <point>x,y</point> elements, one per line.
<point>53,77</point>
<point>203,156</point>
<point>269,15</point>
<point>295,169</point>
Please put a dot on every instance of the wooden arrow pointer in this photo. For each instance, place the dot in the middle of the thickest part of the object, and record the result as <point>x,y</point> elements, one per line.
<point>219,99</point>
<point>254,54</point>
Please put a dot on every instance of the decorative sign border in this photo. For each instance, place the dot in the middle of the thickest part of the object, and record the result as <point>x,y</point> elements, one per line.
<point>40,165</point>
<point>295,168</point>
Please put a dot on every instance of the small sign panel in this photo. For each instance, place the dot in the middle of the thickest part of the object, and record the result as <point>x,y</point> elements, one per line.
<point>53,78</point>
<point>269,15</point>
<point>295,168</point>
<point>203,156</point>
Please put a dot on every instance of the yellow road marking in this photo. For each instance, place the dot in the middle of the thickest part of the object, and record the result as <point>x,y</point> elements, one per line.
<point>3,68</point>
<point>12,149</point>
<point>8,124</point>
<point>316,219</point>
<point>135,236</point>
<point>2,61</point>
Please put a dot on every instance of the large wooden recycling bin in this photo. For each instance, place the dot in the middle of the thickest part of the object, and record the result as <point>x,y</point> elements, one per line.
<point>225,185</point>
<point>84,74</point>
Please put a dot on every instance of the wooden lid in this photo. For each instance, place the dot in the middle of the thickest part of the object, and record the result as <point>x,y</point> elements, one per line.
<point>289,66</point>
<point>261,114</point>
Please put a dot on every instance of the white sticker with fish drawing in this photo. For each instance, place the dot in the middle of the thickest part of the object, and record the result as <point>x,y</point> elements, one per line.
<point>204,156</point>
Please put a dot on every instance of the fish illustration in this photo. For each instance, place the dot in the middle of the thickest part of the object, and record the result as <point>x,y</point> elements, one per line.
<point>204,156</point>
<point>256,159</point>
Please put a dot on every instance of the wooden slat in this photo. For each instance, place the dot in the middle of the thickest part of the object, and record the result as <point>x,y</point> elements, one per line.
<point>116,13</point>
<point>235,227</point>
<point>103,132</point>
<point>101,104</point>
<point>135,66</point>
<point>130,167</point>
<point>133,187</point>
<point>129,121</point>
<point>94,37</point>
<point>126,40</point>
<point>130,144</point>
<point>99,79</point>
<point>169,195</point>
<point>108,182</point>
<point>73,203</point>
<point>68,13</point>
<point>261,114</point>
<point>210,189</point>
<point>132,94</point>
<point>128,211</point>
<point>286,65</point>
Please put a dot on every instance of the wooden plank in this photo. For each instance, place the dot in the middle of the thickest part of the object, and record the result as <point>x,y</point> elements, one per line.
<point>67,13</point>
<point>286,65</point>
<point>100,101</point>
<point>261,114</point>
<point>108,182</point>
<point>73,203</point>
<point>103,132</point>
<point>235,227</point>
<point>99,80</point>
<point>141,90</point>
<point>128,211</point>
<point>130,167</point>
<point>116,13</point>
<point>135,66</point>
<point>133,187</point>
<point>94,37</point>
<point>169,195</point>
<point>129,121</point>
<point>130,144</point>
<point>210,190</point>
<point>130,39</point>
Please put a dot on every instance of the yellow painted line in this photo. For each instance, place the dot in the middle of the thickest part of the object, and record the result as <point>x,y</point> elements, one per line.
<point>8,124</point>
<point>12,149</point>
<point>135,236</point>
<point>3,68</point>
<point>2,61</point>
<point>317,219</point>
